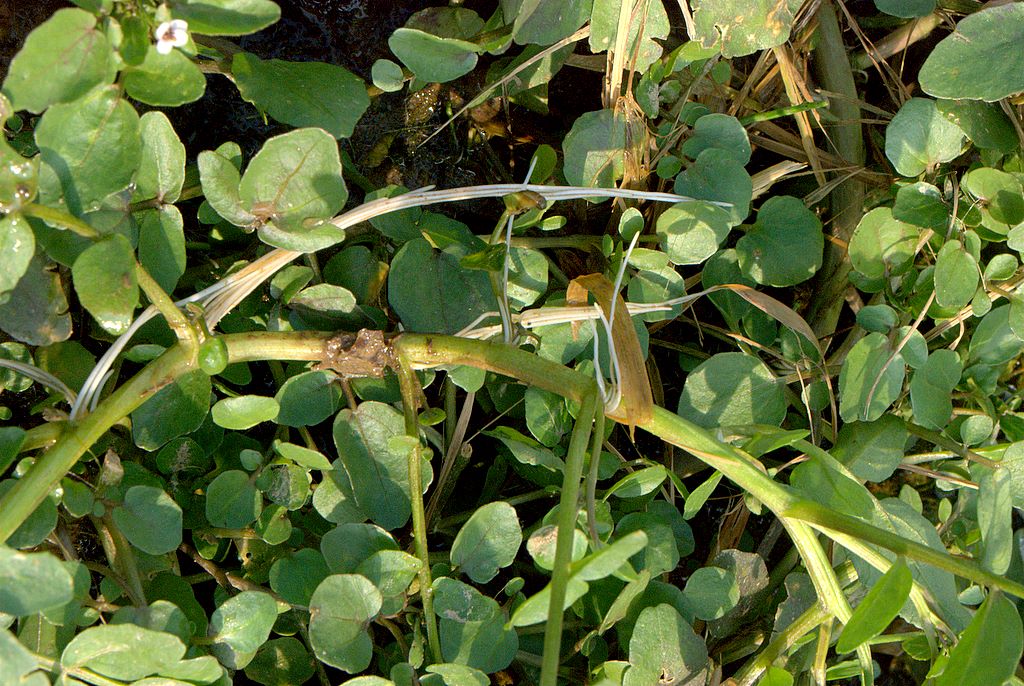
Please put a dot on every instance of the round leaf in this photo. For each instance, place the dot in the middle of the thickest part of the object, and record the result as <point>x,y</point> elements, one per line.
<point>340,610</point>
<point>718,131</point>
<point>882,245</point>
<point>665,645</point>
<point>281,662</point>
<point>956,275</point>
<point>37,526</point>
<point>150,520</point>
<point>431,291</point>
<point>869,381</point>
<point>785,246</point>
<point>732,388</point>
<point>294,177</point>
<point>232,500</point>
<point>228,17</point>
<point>691,231</point>
<point>302,93</point>
<point>919,137</point>
<point>123,651</point>
<point>433,58</point>
<point>165,80</point>
<point>17,246</point>
<point>594,149</point>
<point>742,27</point>
<point>32,582</point>
<point>105,281</point>
<point>243,622</point>
<point>387,76</point>
<point>63,58</point>
<point>487,542</point>
<point>717,175</point>
<point>175,410</point>
<point>244,411</point>
<point>711,592</point>
<point>90,148</point>
<point>980,60</point>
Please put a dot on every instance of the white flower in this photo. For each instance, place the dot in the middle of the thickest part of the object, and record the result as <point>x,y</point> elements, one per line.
<point>171,34</point>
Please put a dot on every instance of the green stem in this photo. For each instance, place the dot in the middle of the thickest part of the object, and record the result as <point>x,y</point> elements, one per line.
<point>833,70</point>
<point>410,390</point>
<point>61,220</point>
<point>176,319</point>
<point>567,508</point>
<point>29,491</point>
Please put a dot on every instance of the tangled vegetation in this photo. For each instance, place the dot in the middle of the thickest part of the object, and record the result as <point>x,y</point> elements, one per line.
<point>709,375</point>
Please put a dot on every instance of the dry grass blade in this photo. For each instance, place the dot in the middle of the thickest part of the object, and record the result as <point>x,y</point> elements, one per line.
<point>636,403</point>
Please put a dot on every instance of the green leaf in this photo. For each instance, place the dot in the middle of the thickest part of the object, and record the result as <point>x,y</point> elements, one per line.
<point>638,483</point>
<point>431,58</point>
<point>150,520</point>
<point>776,676</point>
<point>227,17</point>
<point>348,545</point>
<point>657,286</point>
<point>32,582</point>
<point>281,662</point>
<point>989,649</point>
<point>882,245</point>
<point>716,175</point>
<point>450,674</point>
<point>962,64</point>
<point>594,149</point>
<point>240,625</point>
<point>919,204</point>
<point>36,311</point>
<point>487,542</point>
<point>527,276</point>
<point>37,526</point>
<point>307,399</point>
<point>161,171</point>
<point>995,518</point>
<point>878,608</point>
<point>220,180</point>
<point>302,93</point>
<point>956,276</point>
<point>544,22</point>
<point>105,282</point>
<point>295,177</point>
<point>165,80</point>
<point>175,410</point>
<point>718,131</point>
<point>906,8</point>
<point>17,246</point>
<point>89,149</point>
<point>872,450</point>
<point>162,245</point>
<point>604,21</point>
<point>232,500</point>
<point>123,651</point>
<point>340,610</point>
<point>377,465</point>
<point>690,232</point>
<point>244,411</point>
<point>732,388</point>
<point>664,644</point>
<point>62,59</point>
<point>711,592</point>
<point>305,457</point>
<point>387,76</point>
<point>610,559</point>
<point>785,246</point>
<point>391,571</point>
<point>661,554</point>
<point>431,291</point>
<point>919,137</point>
<point>999,196</point>
<point>931,386</point>
<point>15,659</point>
<point>742,27</point>
<point>546,416</point>
<point>869,381</point>
<point>994,340</point>
<point>472,627</point>
<point>984,123</point>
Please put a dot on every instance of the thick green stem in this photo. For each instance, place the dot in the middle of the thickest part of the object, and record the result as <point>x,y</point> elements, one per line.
<point>568,506</point>
<point>410,391</point>
<point>832,66</point>
<point>26,494</point>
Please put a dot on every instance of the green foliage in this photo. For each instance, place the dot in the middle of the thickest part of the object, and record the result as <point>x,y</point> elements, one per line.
<point>175,507</point>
